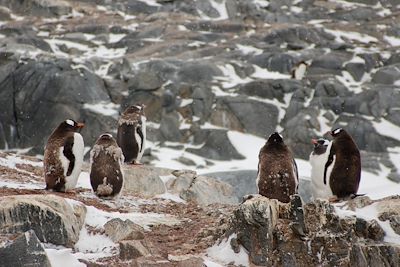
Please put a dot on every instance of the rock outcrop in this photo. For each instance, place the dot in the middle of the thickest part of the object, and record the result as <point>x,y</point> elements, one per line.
<point>52,219</point>
<point>317,233</point>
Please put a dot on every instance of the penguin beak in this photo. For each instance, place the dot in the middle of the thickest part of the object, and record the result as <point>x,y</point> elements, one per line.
<point>80,125</point>
<point>314,141</point>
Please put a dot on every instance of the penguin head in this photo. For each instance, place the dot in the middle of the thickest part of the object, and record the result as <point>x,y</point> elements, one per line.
<point>71,125</point>
<point>134,109</point>
<point>320,145</point>
<point>275,138</point>
<point>337,132</point>
<point>106,139</point>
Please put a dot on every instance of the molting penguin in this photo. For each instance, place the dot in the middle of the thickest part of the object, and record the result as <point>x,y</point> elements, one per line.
<point>131,133</point>
<point>277,176</point>
<point>318,159</point>
<point>345,163</point>
<point>106,175</point>
<point>63,156</point>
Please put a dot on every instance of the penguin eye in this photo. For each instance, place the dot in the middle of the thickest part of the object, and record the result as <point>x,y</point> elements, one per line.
<point>70,122</point>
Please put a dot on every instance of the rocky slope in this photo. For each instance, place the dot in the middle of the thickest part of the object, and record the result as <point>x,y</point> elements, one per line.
<point>204,68</point>
<point>184,223</point>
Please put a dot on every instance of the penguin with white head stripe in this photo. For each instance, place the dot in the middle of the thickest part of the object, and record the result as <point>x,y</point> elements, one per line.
<point>131,133</point>
<point>63,156</point>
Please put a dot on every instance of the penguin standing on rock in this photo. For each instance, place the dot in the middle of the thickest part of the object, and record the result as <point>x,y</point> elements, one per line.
<point>131,133</point>
<point>63,156</point>
<point>342,170</point>
<point>106,175</point>
<point>277,176</point>
<point>318,159</point>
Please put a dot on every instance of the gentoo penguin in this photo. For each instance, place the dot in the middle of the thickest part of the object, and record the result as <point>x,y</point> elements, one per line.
<point>63,156</point>
<point>106,175</point>
<point>343,168</point>
<point>299,71</point>
<point>277,176</point>
<point>318,158</point>
<point>131,134</point>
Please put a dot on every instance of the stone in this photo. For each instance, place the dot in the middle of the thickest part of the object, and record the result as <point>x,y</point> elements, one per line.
<point>191,262</point>
<point>117,230</point>
<point>356,70</point>
<point>387,75</point>
<point>206,191</point>
<point>142,180</point>
<point>217,147</point>
<point>39,88</point>
<point>270,89</point>
<point>245,115</point>
<point>53,8</point>
<point>23,250</point>
<point>133,249</point>
<point>51,217</point>
<point>145,80</point>
<point>169,127</point>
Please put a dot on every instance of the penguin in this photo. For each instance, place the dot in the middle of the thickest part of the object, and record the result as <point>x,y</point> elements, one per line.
<point>318,159</point>
<point>299,71</point>
<point>131,133</point>
<point>106,174</point>
<point>343,168</point>
<point>63,156</point>
<point>277,176</point>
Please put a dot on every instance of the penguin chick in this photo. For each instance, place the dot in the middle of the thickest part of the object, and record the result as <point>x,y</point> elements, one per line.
<point>318,159</point>
<point>131,133</point>
<point>277,176</point>
<point>345,160</point>
<point>63,156</point>
<point>106,175</point>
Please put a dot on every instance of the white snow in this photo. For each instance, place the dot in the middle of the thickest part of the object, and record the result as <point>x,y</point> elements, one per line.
<point>94,246</point>
<point>393,41</point>
<point>355,36</point>
<point>11,184</point>
<point>104,108</point>
<point>223,253</point>
<point>63,258</point>
<point>386,128</point>
<point>11,162</point>
<point>246,49</point>
<point>84,180</point>
<point>261,3</point>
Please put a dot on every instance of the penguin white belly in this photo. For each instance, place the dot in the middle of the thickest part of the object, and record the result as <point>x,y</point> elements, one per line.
<point>140,142</point>
<point>77,150</point>
<point>319,189</point>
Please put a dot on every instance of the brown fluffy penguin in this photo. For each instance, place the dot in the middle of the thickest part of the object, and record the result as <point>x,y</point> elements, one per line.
<point>131,133</point>
<point>106,175</point>
<point>343,168</point>
<point>63,156</point>
<point>277,176</point>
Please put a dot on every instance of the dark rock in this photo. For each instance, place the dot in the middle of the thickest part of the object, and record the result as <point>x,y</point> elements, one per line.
<point>203,100</point>
<point>37,89</point>
<point>138,7</point>
<point>275,62</point>
<point>145,80</point>
<point>331,61</point>
<point>198,72</point>
<point>169,127</point>
<point>152,102</point>
<point>38,7</point>
<point>51,217</point>
<point>241,114</point>
<point>387,75</point>
<point>24,250</point>
<point>217,147</point>
<point>356,70</point>
<point>394,59</point>
<point>210,26</point>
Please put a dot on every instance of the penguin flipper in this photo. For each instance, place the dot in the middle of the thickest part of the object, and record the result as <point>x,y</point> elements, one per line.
<point>140,133</point>
<point>328,163</point>
<point>67,151</point>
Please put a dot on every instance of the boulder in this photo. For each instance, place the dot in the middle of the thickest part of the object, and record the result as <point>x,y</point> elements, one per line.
<point>387,75</point>
<point>40,88</point>
<point>24,249</point>
<point>246,115</point>
<point>133,249</point>
<point>53,8</point>
<point>201,189</point>
<point>142,180</point>
<point>51,217</point>
<point>117,230</point>
<point>217,147</point>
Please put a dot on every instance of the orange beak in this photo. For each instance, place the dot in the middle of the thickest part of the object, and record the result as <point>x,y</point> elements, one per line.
<point>80,125</point>
<point>314,141</point>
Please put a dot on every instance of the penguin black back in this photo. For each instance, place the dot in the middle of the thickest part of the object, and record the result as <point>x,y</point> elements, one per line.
<point>346,172</point>
<point>277,171</point>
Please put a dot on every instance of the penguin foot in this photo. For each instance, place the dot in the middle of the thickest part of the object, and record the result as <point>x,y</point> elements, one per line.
<point>353,196</point>
<point>137,163</point>
<point>333,199</point>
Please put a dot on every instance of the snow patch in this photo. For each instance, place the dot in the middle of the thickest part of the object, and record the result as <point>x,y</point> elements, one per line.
<point>223,253</point>
<point>104,108</point>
